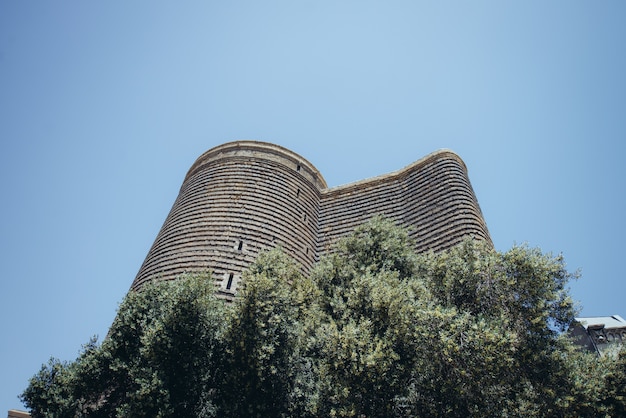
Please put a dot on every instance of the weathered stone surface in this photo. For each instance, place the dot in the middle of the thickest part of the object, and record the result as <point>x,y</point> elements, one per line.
<point>14,413</point>
<point>245,196</point>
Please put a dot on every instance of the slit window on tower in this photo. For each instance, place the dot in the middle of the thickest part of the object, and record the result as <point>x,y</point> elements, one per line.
<point>240,245</point>
<point>229,284</point>
<point>298,167</point>
<point>298,193</point>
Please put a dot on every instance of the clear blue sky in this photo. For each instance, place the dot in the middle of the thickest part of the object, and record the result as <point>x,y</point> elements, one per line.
<point>105,105</point>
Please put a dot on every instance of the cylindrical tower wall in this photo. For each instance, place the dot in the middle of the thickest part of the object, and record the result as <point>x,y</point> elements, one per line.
<point>344,208</point>
<point>433,197</point>
<point>439,203</point>
<point>237,200</point>
<point>246,196</point>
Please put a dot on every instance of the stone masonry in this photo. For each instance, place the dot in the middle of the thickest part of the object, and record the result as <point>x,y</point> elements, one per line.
<point>243,197</point>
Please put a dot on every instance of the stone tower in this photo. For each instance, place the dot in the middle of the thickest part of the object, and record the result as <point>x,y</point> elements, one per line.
<point>246,196</point>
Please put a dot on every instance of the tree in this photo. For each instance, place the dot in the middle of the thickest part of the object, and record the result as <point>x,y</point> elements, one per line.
<point>366,350</point>
<point>465,332</point>
<point>261,340</point>
<point>156,361</point>
<point>614,384</point>
<point>525,292</point>
<point>375,331</point>
<point>389,347</point>
<point>49,393</point>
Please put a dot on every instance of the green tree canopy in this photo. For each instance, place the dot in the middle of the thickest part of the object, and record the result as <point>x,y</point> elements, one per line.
<point>375,331</point>
<point>158,360</point>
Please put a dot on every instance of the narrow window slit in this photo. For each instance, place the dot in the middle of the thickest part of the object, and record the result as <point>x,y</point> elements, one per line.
<point>298,168</point>
<point>298,193</point>
<point>240,246</point>
<point>230,281</point>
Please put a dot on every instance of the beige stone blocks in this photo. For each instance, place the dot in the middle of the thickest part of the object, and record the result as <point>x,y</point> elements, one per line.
<point>243,197</point>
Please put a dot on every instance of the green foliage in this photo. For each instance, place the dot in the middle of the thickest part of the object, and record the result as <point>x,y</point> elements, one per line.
<point>368,305</point>
<point>522,295</point>
<point>157,360</point>
<point>374,331</point>
<point>378,245</point>
<point>261,340</point>
<point>49,393</point>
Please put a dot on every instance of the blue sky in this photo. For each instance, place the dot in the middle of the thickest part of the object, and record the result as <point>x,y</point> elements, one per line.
<point>105,105</point>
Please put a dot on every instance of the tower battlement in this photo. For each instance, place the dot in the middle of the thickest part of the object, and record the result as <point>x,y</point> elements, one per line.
<point>243,197</point>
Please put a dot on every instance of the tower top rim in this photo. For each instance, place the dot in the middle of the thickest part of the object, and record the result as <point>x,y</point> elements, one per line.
<point>440,153</point>
<point>258,146</point>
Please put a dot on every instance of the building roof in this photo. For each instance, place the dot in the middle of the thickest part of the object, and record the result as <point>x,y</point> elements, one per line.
<point>608,322</point>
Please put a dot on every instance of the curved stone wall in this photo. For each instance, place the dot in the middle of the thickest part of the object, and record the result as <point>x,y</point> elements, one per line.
<point>236,200</point>
<point>432,196</point>
<point>440,204</point>
<point>246,196</point>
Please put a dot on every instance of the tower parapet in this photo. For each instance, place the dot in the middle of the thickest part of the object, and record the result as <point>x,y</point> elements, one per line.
<point>243,197</point>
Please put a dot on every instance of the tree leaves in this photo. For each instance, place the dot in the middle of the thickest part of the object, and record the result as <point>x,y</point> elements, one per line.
<point>376,330</point>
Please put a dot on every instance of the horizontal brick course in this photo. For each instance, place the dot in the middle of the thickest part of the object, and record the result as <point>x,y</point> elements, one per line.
<point>260,195</point>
